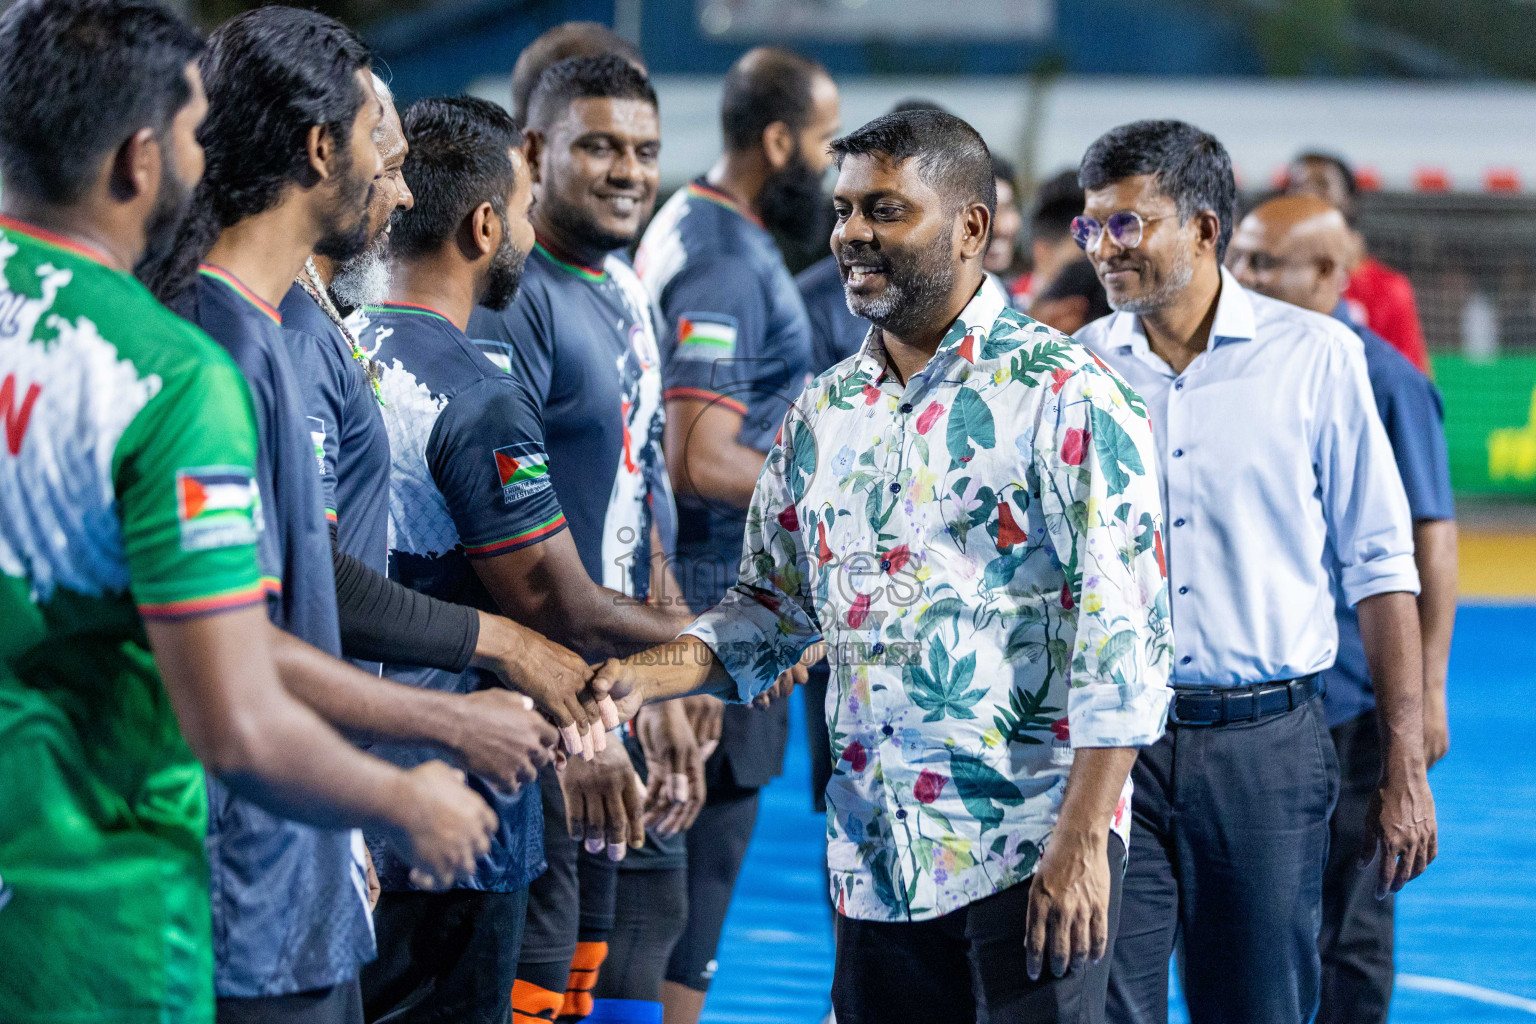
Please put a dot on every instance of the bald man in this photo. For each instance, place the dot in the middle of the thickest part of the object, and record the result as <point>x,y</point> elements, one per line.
<point>1297,249</point>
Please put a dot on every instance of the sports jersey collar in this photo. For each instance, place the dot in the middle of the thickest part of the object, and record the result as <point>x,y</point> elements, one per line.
<point>58,241</point>
<point>585,273</point>
<point>410,308</point>
<point>710,194</point>
<point>231,281</point>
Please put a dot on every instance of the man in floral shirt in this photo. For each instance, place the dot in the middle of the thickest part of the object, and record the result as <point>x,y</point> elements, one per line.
<point>965,510</point>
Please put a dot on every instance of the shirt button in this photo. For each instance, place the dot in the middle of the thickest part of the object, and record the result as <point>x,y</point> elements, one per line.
<point>901,814</point>
<point>1179,521</point>
<point>886,728</point>
<point>877,649</point>
<point>1185,660</point>
<point>885,565</point>
<point>1178,385</point>
<point>1183,590</point>
<point>895,488</point>
<point>1178,453</point>
<point>906,406</point>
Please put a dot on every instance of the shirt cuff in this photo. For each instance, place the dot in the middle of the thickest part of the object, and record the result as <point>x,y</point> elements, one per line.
<point>1108,715</point>
<point>748,637</point>
<point>1392,574</point>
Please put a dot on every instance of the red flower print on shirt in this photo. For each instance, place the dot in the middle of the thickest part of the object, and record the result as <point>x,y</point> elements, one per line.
<point>1119,818</point>
<point>1060,730</point>
<point>1157,547</point>
<point>1008,532</point>
<point>928,787</point>
<point>926,420</point>
<point>1059,379</point>
<point>898,556</point>
<point>823,552</point>
<point>856,756</point>
<point>1074,447</point>
<point>871,394</point>
<point>790,519</point>
<point>1066,597</point>
<point>859,612</point>
<point>968,348</point>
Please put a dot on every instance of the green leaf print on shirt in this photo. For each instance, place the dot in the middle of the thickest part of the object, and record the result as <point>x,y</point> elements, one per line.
<point>1115,450</point>
<point>969,420</point>
<point>982,788</point>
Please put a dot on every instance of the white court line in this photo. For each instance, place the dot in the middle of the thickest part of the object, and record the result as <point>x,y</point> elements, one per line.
<point>1445,986</point>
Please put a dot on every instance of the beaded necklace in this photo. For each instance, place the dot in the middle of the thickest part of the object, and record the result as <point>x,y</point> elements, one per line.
<point>310,281</point>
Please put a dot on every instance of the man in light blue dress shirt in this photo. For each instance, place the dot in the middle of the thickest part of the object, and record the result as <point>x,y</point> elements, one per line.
<point>1276,476</point>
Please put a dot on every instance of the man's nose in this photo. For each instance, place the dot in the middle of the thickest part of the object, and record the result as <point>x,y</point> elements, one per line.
<point>855,229</point>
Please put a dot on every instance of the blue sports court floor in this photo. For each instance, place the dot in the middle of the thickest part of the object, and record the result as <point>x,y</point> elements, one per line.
<point>1466,929</point>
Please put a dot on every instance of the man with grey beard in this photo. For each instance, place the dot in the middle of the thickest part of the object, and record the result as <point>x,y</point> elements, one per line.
<point>1277,477</point>
<point>382,621</point>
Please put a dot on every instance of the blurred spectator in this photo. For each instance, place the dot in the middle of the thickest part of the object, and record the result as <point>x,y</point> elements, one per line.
<point>1072,300</point>
<point>1379,296</point>
<point>566,40</point>
<point>1006,223</point>
<point>1057,201</point>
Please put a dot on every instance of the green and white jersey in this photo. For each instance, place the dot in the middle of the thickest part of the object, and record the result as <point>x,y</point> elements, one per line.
<point>127,448</point>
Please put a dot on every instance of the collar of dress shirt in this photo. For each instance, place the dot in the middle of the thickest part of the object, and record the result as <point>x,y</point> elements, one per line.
<point>1234,321</point>
<point>965,332</point>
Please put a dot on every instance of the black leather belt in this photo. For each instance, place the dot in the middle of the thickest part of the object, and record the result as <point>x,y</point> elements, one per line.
<point>1206,706</point>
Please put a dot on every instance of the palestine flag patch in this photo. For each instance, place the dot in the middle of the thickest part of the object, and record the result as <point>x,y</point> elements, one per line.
<point>705,337</point>
<point>521,473</point>
<point>216,507</point>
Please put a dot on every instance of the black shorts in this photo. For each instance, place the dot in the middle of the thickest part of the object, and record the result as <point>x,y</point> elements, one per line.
<point>649,917</point>
<point>444,957</point>
<point>717,844</point>
<point>341,1003</point>
<point>573,898</point>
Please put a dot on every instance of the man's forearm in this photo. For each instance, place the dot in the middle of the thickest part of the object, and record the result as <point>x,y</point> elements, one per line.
<point>1434,552</point>
<point>1389,627</point>
<point>364,707</point>
<point>1093,791</point>
<point>682,668</point>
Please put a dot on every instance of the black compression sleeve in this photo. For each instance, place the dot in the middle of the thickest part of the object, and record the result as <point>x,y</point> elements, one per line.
<point>384,621</point>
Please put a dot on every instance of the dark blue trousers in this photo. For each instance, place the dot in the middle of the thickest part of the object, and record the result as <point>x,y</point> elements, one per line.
<point>1229,837</point>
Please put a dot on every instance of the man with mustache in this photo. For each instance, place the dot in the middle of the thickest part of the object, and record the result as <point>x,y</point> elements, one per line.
<point>468,487</point>
<point>581,336</point>
<point>965,511</point>
<point>1298,249</point>
<point>382,621</point>
<point>1277,478</point>
<point>736,345</point>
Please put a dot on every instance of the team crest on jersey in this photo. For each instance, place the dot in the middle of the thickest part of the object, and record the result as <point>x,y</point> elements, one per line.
<point>317,438</point>
<point>216,506</point>
<point>521,472</point>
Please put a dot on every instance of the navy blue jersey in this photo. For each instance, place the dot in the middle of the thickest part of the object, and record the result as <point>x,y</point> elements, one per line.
<point>836,333</point>
<point>1412,412</point>
<point>290,908</point>
<point>734,331</point>
<point>583,343</point>
<point>469,479</point>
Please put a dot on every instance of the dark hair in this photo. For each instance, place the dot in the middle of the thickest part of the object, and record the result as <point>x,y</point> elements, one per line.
<point>77,79</point>
<point>1078,279</point>
<point>272,74</point>
<point>608,76</point>
<point>1057,201</point>
<point>1351,185</point>
<point>916,103</point>
<point>950,155</point>
<point>571,39</point>
<point>1191,167</point>
<point>1002,170</point>
<point>458,159</point>
<point>766,85</point>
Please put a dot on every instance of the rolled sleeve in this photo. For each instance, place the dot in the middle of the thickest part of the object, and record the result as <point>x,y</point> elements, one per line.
<point>1095,458</point>
<point>766,621</point>
<point>1363,500</point>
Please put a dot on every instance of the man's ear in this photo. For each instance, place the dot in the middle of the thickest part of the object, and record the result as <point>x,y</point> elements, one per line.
<point>136,167</point>
<point>778,145</point>
<point>1208,227</point>
<point>975,230</point>
<point>484,231</point>
<point>321,147</point>
<point>533,148</point>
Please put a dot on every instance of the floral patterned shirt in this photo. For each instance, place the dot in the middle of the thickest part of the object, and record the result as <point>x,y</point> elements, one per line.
<point>981,549</point>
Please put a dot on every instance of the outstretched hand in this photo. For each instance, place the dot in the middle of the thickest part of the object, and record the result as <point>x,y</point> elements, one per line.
<point>554,676</point>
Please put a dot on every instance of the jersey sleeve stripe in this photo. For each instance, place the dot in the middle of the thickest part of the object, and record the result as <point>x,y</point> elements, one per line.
<point>703,395</point>
<point>330,515</point>
<point>203,605</point>
<point>271,585</point>
<point>539,532</point>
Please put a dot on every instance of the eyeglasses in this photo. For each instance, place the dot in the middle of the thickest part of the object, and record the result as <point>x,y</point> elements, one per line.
<point>1125,229</point>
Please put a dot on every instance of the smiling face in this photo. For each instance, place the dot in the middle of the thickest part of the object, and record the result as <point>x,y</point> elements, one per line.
<point>355,165</point>
<point>895,243</point>
<point>364,279</point>
<point>598,173</point>
<point>1153,274</point>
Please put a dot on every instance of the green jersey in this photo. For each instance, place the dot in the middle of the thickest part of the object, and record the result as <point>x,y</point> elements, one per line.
<point>126,493</point>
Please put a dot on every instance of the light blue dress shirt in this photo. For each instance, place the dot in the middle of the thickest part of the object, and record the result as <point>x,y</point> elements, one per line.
<point>1275,473</point>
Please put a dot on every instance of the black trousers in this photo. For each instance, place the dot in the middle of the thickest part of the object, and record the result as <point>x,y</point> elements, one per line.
<point>1356,938</point>
<point>338,1004</point>
<point>966,967</point>
<point>444,957</point>
<point>1229,836</point>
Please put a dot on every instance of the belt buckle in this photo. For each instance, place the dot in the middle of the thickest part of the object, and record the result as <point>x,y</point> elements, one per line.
<point>1206,711</point>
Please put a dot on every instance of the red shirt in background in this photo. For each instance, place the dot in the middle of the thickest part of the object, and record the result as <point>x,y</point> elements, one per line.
<point>1382,299</point>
